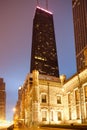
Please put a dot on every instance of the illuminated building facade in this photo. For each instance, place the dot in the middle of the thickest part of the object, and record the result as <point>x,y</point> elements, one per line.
<point>51,100</point>
<point>2,100</point>
<point>41,99</point>
<point>17,108</point>
<point>79,8</point>
<point>44,53</point>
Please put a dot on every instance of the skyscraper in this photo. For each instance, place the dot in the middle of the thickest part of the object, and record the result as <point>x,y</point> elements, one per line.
<point>44,53</point>
<point>2,100</point>
<point>80,31</point>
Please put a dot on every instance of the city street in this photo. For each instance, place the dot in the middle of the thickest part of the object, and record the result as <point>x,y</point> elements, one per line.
<point>42,129</point>
<point>46,128</point>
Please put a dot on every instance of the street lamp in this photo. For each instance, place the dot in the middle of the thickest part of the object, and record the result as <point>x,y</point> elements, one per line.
<point>14,109</point>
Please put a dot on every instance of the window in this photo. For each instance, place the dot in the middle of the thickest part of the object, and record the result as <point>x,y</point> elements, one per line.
<point>69,98</point>
<point>77,96</point>
<point>43,98</point>
<point>70,114</point>
<point>59,116</point>
<point>44,115</point>
<point>58,99</point>
<point>51,115</point>
<point>78,112</point>
<point>85,89</point>
<point>86,110</point>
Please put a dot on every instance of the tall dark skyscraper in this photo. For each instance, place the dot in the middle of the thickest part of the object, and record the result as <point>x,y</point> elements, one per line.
<point>80,30</point>
<point>44,53</point>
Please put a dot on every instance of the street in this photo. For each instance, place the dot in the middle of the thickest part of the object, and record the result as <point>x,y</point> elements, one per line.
<point>45,128</point>
<point>42,129</point>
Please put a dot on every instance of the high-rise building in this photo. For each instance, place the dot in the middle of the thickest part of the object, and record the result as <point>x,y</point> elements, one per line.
<point>44,53</point>
<point>2,100</point>
<point>80,32</point>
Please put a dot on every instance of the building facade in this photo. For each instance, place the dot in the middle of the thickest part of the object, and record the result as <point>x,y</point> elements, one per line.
<point>51,100</point>
<point>2,100</point>
<point>44,53</point>
<point>79,8</point>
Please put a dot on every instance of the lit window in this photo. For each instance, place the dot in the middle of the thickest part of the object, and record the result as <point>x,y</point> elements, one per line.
<point>43,98</point>
<point>37,25</point>
<point>58,99</point>
<point>44,115</point>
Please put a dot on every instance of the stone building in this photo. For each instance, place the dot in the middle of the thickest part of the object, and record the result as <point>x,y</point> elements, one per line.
<point>75,92</point>
<point>52,100</point>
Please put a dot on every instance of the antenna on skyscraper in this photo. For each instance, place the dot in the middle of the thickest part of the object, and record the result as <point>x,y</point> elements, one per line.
<point>37,2</point>
<point>47,4</point>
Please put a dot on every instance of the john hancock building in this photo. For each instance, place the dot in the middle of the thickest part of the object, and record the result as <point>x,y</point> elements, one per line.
<point>44,54</point>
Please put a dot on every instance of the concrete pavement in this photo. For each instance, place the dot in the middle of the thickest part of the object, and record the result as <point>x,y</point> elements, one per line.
<point>58,127</point>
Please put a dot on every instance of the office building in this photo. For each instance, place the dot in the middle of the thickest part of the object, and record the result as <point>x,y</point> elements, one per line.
<point>44,52</point>
<point>79,8</point>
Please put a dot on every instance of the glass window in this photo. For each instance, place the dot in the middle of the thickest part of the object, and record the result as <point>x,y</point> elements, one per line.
<point>43,98</point>
<point>85,89</point>
<point>44,115</point>
<point>58,99</point>
<point>70,114</point>
<point>86,110</point>
<point>51,115</point>
<point>78,112</point>
<point>69,99</point>
<point>77,96</point>
<point>59,116</point>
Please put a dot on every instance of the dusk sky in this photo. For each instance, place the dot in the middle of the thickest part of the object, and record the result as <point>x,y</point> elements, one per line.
<point>16,21</point>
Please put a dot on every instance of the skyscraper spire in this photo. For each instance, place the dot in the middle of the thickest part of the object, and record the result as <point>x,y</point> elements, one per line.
<point>47,4</point>
<point>37,2</point>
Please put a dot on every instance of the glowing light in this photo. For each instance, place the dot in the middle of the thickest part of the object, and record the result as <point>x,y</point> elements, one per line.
<point>5,123</point>
<point>14,109</point>
<point>44,10</point>
<point>40,58</point>
<point>20,88</point>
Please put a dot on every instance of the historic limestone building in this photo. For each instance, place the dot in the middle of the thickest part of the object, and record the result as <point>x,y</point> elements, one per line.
<point>51,100</point>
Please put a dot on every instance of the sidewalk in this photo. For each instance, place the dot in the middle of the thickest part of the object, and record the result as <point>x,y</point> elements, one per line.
<point>42,127</point>
<point>72,126</point>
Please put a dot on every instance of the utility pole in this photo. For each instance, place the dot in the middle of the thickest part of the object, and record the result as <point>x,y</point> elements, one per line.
<point>37,2</point>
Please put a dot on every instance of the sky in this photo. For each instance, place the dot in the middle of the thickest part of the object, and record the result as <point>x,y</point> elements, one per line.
<point>16,22</point>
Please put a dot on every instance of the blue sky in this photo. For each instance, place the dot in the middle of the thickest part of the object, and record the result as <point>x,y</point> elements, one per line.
<point>16,21</point>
